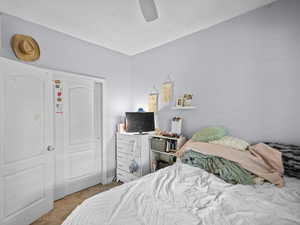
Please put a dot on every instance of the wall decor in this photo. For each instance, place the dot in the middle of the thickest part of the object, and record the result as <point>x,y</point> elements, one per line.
<point>167,90</point>
<point>25,47</point>
<point>153,100</point>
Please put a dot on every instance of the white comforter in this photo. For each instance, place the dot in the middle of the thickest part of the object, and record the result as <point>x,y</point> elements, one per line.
<point>185,195</point>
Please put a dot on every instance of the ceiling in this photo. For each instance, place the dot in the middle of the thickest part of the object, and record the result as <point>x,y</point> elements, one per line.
<point>119,24</point>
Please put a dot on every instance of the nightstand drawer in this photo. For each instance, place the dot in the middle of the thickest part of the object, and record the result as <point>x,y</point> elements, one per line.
<point>125,155</point>
<point>129,149</point>
<point>126,149</point>
<point>127,160</point>
<point>128,143</point>
<point>128,154</point>
<point>128,139</point>
<point>125,167</point>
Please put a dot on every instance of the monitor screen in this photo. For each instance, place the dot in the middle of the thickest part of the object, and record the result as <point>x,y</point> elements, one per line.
<point>140,122</point>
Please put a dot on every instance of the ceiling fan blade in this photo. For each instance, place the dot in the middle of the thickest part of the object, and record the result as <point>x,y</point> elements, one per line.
<point>149,10</point>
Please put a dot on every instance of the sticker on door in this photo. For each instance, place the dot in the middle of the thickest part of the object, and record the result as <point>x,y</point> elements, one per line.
<point>58,96</point>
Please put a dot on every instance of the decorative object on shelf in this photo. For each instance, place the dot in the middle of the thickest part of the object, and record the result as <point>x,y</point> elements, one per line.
<point>141,110</point>
<point>179,102</point>
<point>25,48</point>
<point>167,90</point>
<point>153,100</point>
<point>184,102</point>
<point>187,100</point>
<point>176,125</point>
<point>157,131</point>
<point>121,128</point>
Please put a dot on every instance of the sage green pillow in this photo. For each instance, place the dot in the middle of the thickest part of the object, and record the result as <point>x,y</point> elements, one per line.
<point>209,134</point>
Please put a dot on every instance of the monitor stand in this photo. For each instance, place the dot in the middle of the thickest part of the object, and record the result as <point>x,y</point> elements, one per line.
<point>142,133</point>
<point>139,133</point>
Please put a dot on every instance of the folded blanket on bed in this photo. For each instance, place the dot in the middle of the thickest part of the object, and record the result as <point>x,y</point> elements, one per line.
<point>225,169</point>
<point>260,160</point>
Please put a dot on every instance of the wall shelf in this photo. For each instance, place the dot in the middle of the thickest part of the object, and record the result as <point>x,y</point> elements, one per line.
<point>164,153</point>
<point>184,107</point>
<point>165,137</point>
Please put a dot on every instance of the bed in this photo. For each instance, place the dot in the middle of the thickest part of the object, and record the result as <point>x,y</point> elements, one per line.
<point>186,195</point>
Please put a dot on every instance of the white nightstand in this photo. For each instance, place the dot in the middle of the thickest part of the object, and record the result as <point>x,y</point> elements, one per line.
<point>133,156</point>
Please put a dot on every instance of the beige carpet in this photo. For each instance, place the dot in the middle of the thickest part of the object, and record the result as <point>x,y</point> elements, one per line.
<point>63,207</point>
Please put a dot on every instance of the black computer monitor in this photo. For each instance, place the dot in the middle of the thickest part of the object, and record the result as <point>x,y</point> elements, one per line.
<point>140,122</point>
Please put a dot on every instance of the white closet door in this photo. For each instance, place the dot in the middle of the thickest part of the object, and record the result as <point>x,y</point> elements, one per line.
<point>82,160</point>
<point>26,165</point>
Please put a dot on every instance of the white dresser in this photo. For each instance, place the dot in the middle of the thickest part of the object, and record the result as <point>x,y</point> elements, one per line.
<point>133,156</point>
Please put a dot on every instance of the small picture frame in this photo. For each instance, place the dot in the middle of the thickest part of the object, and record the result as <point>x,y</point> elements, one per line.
<point>187,99</point>
<point>179,102</point>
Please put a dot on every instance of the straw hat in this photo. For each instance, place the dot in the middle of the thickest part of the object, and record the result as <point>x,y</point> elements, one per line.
<point>25,47</point>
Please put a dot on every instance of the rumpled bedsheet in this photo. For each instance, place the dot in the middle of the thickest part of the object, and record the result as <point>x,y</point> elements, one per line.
<point>182,194</point>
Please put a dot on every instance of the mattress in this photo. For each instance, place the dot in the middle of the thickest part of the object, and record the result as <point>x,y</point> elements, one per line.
<point>185,195</point>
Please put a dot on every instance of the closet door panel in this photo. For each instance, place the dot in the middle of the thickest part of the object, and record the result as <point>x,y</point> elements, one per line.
<point>82,164</point>
<point>79,154</point>
<point>24,113</point>
<point>26,167</point>
<point>81,124</point>
<point>16,199</point>
<point>80,138</point>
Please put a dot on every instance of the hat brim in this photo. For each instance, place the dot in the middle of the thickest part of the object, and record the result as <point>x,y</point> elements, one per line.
<point>15,41</point>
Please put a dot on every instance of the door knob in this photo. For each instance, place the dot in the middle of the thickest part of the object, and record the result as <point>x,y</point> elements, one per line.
<point>50,148</point>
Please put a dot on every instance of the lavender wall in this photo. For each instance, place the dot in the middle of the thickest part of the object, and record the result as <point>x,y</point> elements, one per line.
<point>244,74</point>
<point>65,53</point>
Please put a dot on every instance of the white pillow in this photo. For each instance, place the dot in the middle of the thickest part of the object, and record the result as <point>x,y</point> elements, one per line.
<point>232,142</point>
